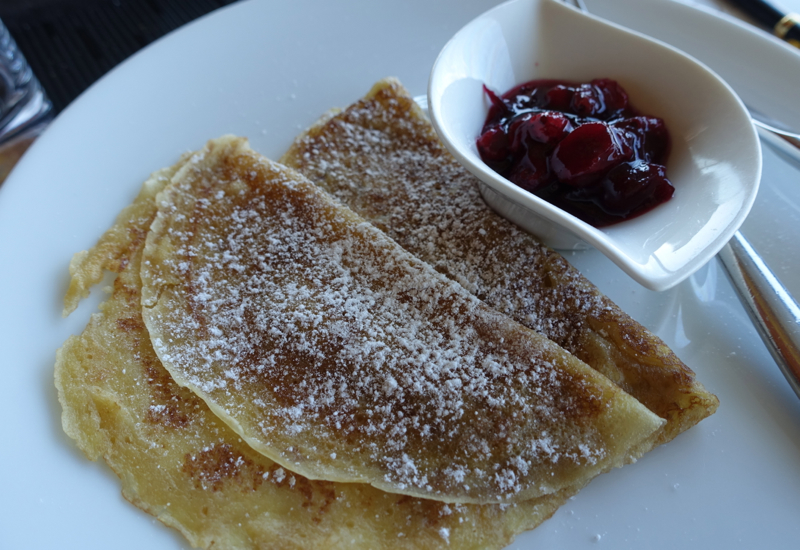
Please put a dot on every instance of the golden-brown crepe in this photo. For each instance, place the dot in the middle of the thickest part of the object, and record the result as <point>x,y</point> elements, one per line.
<point>179,462</point>
<point>382,158</point>
<point>333,351</point>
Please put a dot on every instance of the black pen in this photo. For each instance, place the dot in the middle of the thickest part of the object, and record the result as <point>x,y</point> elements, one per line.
<point>785,26</point>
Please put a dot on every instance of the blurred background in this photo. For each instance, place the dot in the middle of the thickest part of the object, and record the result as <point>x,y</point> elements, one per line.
<point>69,44</point>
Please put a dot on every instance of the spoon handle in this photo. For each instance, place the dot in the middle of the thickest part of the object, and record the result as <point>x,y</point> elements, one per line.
<point>786,144</point>
<point>774,312</point>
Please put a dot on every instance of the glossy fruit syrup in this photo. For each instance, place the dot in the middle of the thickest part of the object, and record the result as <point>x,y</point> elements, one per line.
<point>581,147</point>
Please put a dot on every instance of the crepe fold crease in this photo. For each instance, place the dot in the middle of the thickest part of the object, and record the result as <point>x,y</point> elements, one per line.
<point>382,158</point>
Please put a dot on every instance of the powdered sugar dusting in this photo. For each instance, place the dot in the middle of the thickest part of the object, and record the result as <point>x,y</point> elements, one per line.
<point>324,339</point>
<point>383,159</point>
<point>389,167</point>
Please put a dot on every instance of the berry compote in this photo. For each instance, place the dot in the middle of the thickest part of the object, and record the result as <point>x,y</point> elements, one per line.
<point>581,147</point>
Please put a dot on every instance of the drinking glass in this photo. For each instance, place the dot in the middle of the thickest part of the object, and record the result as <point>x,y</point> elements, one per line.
<point>24,107</point>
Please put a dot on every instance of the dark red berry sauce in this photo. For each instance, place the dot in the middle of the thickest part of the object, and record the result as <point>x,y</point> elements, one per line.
<point>581,147</point>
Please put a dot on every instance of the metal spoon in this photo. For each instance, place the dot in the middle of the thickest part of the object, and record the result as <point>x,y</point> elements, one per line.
<point>785,142</point>
<point>774,312</point>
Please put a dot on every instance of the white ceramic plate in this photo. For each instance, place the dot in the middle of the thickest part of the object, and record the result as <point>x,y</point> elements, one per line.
<point>267,70</point>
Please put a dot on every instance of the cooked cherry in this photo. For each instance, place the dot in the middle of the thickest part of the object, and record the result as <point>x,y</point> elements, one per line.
<point>632,186</point>
<point>493,144</point>
<point>614,97</point>
<point>531,172</point>
<point>559,98</point>
<point>588,153</point>
<point>580,146</point>
<point>648,136</point>
<point>549,127</point>
<point>517,131</point>
<point>587,101</point>
<point>499,109</point>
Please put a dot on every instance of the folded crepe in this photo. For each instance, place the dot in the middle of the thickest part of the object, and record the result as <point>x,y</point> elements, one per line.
<point>336,353</point>
<point>382,158</point>
<point>177,461</point>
